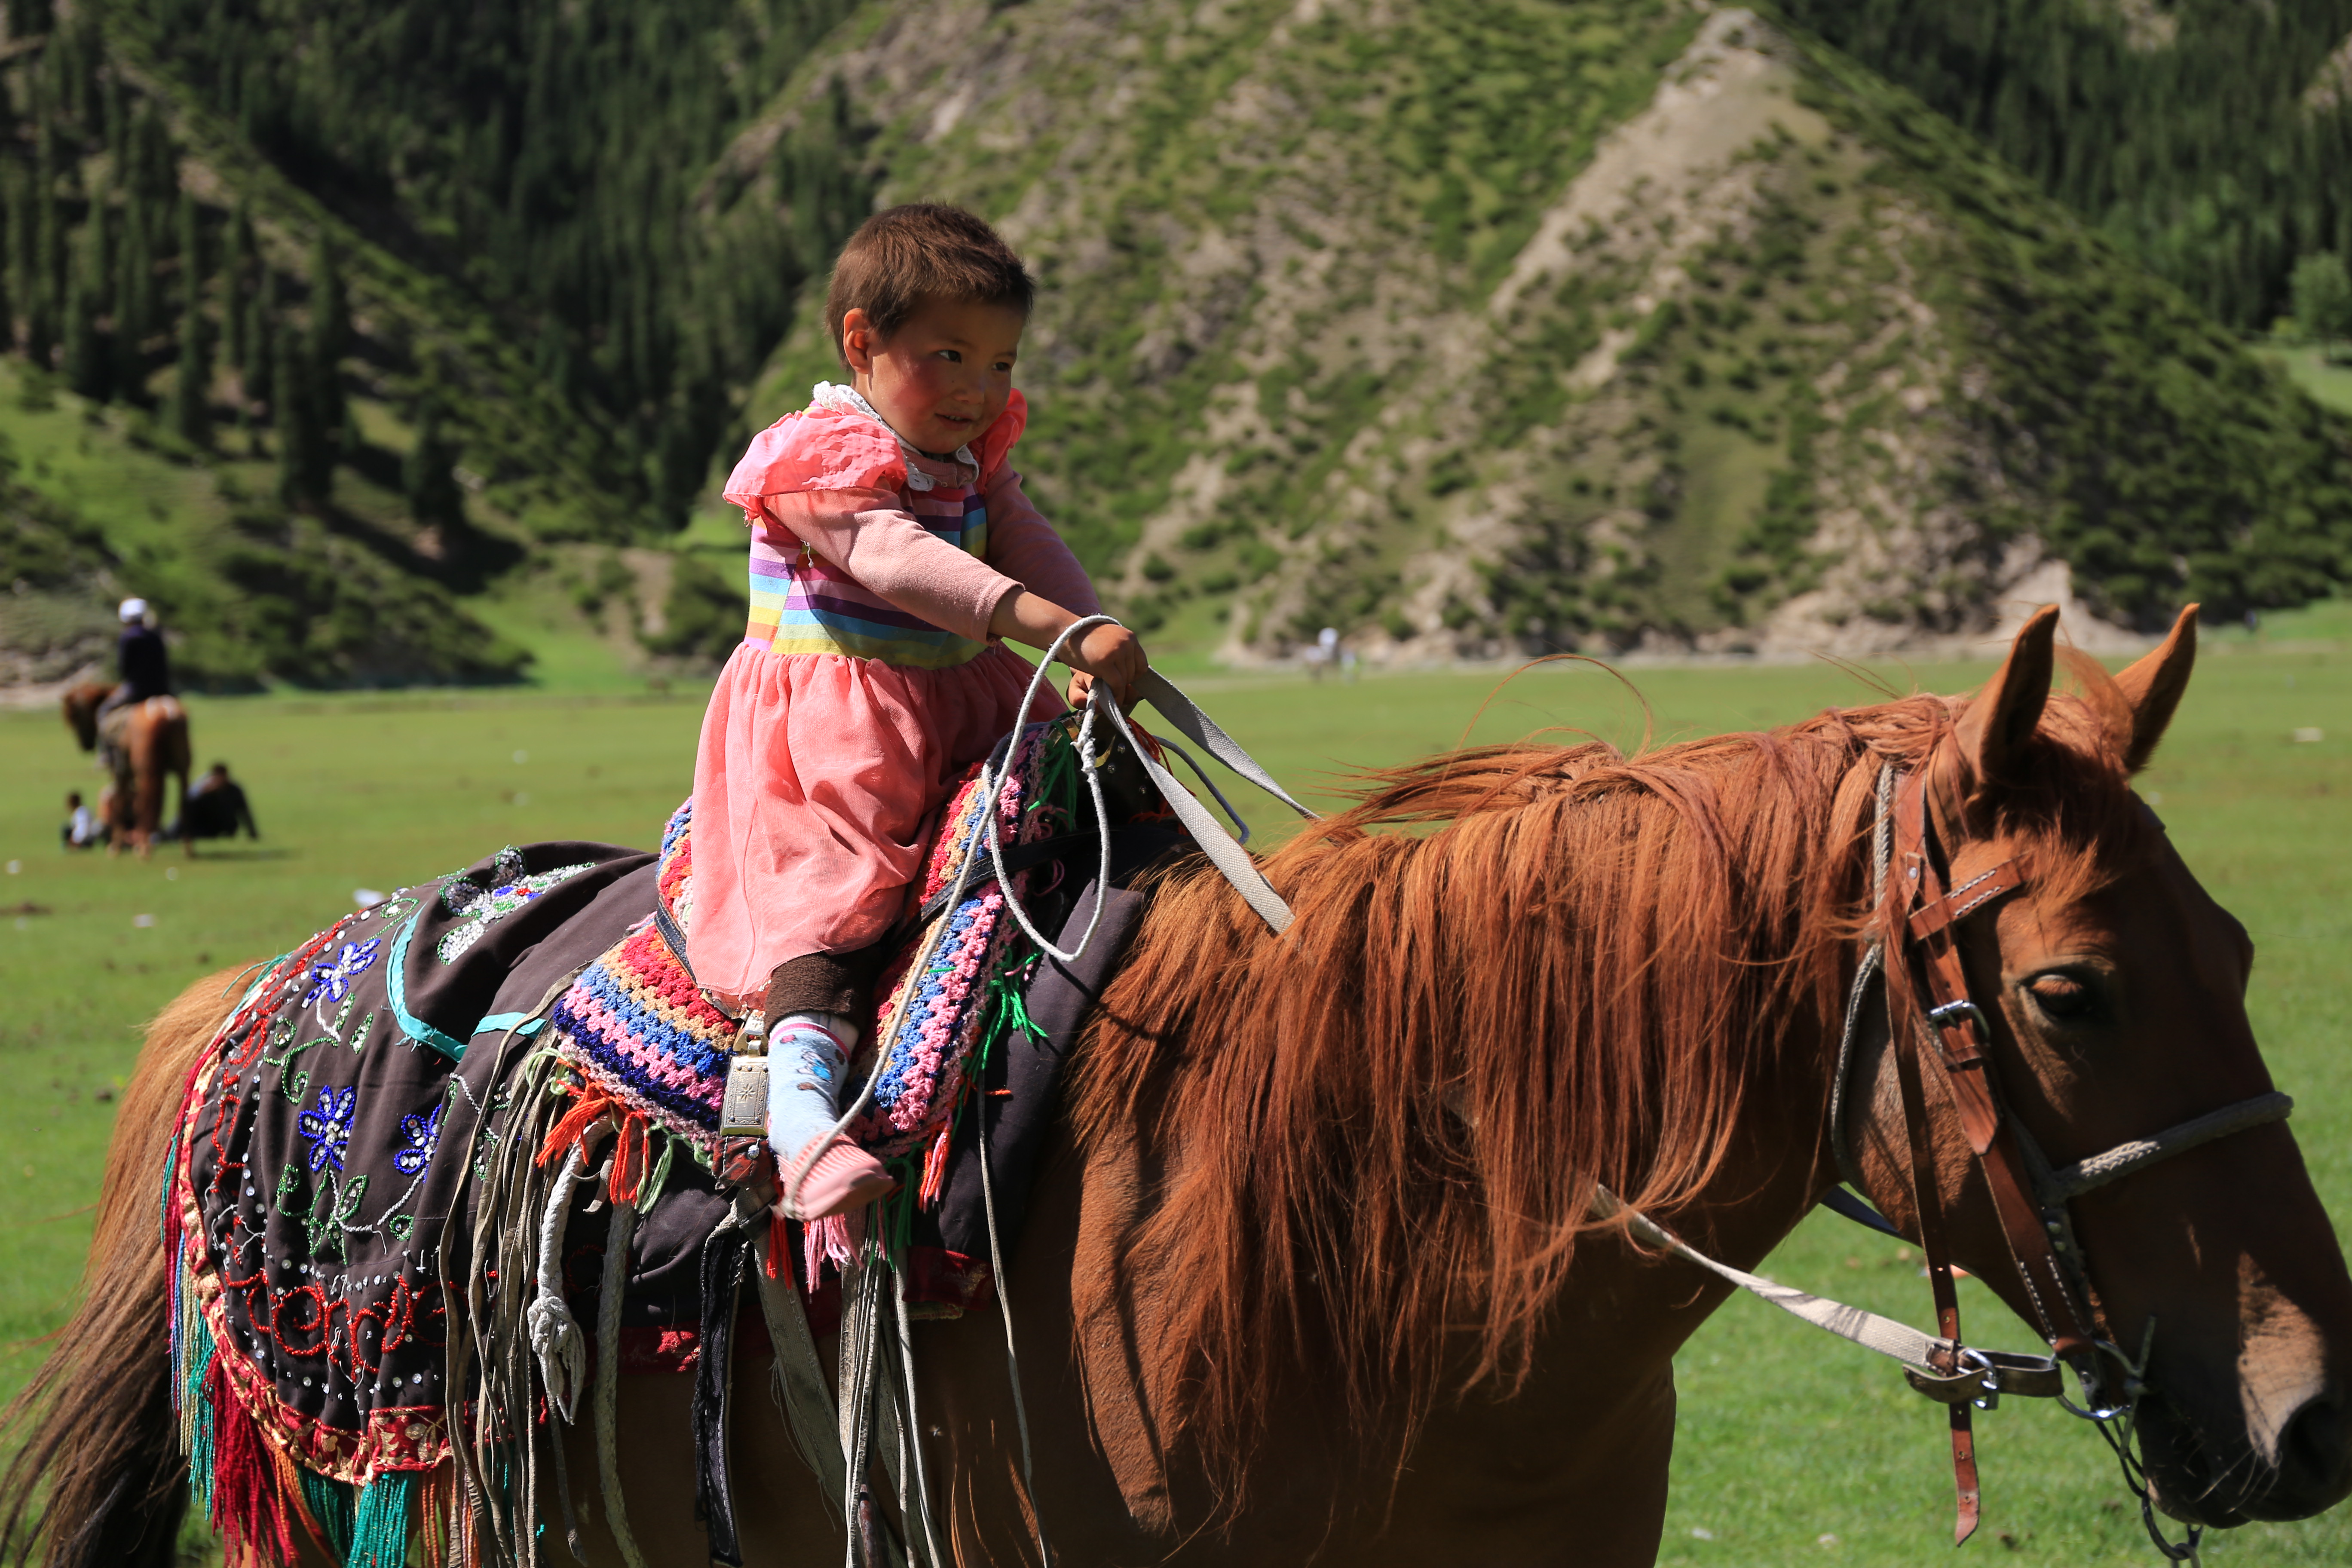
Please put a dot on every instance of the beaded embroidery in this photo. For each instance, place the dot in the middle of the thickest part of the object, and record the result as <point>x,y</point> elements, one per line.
<point>484,905</point>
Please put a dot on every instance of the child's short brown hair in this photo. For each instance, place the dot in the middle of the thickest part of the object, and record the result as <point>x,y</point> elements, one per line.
<point>924,250</point>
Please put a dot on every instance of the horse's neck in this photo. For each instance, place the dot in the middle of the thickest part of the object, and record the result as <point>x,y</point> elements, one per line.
<point>1606,1353</point>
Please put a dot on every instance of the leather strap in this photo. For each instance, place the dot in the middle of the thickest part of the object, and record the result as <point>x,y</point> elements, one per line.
<point>1228,856</point>
<point>1927,1360</point>
<point>723,1283</point>
<point>1200,729</point>
<point>1928,1203</point>
<point>1970,896</point>
<point>801,1382</point>
<point>1961,1031</point>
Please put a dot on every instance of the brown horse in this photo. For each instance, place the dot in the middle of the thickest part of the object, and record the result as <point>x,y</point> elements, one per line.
<point>149,747</point>
<point>1314,1272</point>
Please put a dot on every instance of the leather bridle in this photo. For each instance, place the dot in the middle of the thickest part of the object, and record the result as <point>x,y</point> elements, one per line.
<point>1917,950</point>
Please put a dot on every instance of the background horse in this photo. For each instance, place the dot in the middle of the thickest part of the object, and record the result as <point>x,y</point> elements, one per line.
<point>152,746</point>
<point>1313,1269</point>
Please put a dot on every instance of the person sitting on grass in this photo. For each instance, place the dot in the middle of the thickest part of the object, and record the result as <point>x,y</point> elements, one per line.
<point>216,807</point>
<point>82,829</point>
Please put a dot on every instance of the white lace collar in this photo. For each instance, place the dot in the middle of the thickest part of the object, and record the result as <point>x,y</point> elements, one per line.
<point>844,400</point>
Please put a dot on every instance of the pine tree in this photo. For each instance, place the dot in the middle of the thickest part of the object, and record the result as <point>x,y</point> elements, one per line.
<point>260,341</point>
<point>331,331</point>
<point>435,498</point>
<point>192,383</point>
<point>237,311</point>
<point>86,363</point>
<point>134,305</point>
<point>30,18</point>
<point>117,124</point>
<point>306,472</point>
<point>20,241</point>
<point>2322,298</point>
<point>192,238</point>
<point>98,269</point>
<point>49,243</point>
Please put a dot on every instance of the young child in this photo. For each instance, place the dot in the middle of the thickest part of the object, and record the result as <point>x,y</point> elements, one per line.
<point>81,830</point>
<point>892,552</point>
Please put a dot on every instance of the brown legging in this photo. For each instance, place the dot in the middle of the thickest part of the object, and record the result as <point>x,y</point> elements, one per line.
<point>839,983</point>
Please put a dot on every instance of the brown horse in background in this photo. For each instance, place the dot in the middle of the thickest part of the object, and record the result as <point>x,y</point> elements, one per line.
<point>149,745</point>
<point>1313,1272</point>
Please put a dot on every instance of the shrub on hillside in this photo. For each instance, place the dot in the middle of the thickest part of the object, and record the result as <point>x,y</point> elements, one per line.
<point>703,616</point>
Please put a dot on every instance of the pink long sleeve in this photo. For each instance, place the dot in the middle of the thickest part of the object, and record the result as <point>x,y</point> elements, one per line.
<point>1024,546</point>
<point>869,535</point>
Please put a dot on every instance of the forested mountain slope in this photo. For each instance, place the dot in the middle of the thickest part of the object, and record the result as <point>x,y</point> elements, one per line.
<point>421,291</point>
<point>1532,324</point>
<point>2207,138</point>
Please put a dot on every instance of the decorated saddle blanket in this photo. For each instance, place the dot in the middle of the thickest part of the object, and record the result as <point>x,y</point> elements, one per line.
<point>348,1151</point>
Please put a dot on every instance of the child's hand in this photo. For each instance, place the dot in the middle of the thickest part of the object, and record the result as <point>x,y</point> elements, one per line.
<point>1112,654</point>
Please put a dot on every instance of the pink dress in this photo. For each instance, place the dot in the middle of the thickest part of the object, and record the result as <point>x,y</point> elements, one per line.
<point>866,683</point>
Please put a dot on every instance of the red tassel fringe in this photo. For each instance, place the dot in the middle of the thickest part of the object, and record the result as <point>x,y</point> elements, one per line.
<point>632,1156</point>
<point>249,1503</point>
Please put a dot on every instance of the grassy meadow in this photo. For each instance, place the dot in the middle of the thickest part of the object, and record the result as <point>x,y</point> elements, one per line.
<point>2325,376</point>
<point>1793,1448</point>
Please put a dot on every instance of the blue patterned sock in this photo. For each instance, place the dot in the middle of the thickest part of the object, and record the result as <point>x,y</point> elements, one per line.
<point>807,1061</point>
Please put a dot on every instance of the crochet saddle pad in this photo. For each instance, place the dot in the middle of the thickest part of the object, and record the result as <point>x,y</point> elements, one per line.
<point>636,1025</point>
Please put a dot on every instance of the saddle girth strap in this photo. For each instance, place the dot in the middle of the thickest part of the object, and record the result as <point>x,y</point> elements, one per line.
<point>723,1257</point>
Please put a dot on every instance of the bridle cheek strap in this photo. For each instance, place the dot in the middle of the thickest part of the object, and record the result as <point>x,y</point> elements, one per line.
<point>1959,1029</point>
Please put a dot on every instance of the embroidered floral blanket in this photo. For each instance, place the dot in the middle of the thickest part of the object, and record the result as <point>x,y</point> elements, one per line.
<point>336,1135</point>
<point>324,1135</point>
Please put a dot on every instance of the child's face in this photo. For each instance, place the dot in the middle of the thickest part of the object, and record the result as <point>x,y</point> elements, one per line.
<point>943,377</point>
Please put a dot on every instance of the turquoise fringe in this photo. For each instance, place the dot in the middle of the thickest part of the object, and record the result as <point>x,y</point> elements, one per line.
<point>379,1531</point>
<point>195,1353</point>
<point>330,1502</point>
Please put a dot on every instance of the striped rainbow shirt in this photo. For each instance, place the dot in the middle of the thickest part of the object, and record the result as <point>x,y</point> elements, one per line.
<point>801,602</point>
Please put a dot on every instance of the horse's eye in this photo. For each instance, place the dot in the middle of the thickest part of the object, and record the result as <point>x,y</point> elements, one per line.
<point>2062,996</point>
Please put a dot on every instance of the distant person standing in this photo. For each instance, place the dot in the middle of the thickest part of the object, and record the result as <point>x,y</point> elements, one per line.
<point>82,829</point>
<point>143,663</point>
<point>216,807</point>
<point>1326,650</point>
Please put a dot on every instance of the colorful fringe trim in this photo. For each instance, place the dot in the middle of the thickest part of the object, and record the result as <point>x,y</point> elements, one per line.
<point>251,1491</point>
<point>636,1026</point>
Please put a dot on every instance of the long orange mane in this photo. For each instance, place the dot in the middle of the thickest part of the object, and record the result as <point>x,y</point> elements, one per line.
<point>1516,971</point>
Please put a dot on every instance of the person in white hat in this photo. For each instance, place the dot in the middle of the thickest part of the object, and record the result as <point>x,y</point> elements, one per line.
<point>145,666</point>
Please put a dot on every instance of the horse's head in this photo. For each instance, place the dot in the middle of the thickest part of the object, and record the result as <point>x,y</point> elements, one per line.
<point>80,704</point>
<point>2114,989</point>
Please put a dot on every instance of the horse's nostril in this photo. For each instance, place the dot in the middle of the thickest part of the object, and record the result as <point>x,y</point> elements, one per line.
<point>2315,1458</point>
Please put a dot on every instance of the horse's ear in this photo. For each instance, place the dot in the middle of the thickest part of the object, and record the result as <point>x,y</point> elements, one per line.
<point>2002,717</point>
<point>2153,687</point>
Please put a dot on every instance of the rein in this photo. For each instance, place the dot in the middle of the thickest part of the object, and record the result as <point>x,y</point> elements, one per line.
<point>1919,942</point>
<point>874,1408</point>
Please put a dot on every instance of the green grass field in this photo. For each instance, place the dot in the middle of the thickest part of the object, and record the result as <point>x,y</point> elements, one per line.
<point>1793,1447</point>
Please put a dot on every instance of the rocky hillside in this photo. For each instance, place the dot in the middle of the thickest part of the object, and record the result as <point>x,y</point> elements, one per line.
<point>1538,325</point>
<point>1466,330</point>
